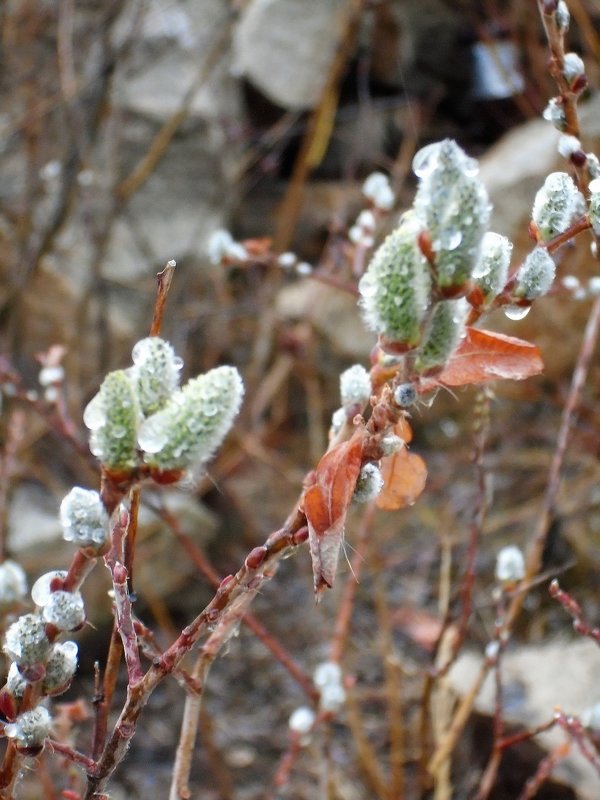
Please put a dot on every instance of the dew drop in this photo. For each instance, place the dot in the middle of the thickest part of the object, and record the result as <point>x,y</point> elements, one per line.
<point>516,312</point>
<point>12,730</point>
<point>40,591</point>
<point>151,437</point>
<point>94,416</point>
<point>482,268</point>
<point>450,239</point>
<point>426,160</point>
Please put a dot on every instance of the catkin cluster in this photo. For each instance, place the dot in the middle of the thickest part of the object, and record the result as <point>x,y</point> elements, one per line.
<point>41,665</point>
<point>142,416</point>
<point>441,260</point>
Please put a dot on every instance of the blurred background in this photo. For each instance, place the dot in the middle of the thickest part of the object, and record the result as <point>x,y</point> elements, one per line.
<point>131,131</point>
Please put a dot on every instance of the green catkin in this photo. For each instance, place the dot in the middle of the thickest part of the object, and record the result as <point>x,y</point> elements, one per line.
<point>396,286</point>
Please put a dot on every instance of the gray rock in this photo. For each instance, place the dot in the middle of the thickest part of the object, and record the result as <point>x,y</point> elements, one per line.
<point>536,679</point>
<point>285,47</point>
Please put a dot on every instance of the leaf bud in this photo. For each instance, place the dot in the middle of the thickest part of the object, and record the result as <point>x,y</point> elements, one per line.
<point>60,668</point>
<point>395,288</point>
<point>368,484</point>
<point>26,642</point>
<point>112,416</point>
<point>452,206</point>
<point>13,583</point>
<point>536,275</point>
<point>442,334</point>
<point>510,565</point>
<point>31,728</point>
<point>355,386</point>
<point>155,374</point>
<point>491,272</point>
<point>83,518</point>
<point>188,430</point>
<point>555,205</point>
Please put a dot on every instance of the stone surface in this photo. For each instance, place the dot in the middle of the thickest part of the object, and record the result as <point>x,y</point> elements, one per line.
<point>536,679</point>
<point>285,47</point>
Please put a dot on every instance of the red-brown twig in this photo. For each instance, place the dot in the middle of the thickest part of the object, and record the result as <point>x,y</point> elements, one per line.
<point>114,561</point>
<point>544,771</point>
<point>165,279</point>
<point>573,608</point>
<point>269,641</point>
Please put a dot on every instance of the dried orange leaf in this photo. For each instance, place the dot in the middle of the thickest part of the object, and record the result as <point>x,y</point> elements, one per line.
<point>403,430</point>
<point>404,474</point>
<point>488,356</point>
<point>326,504</point>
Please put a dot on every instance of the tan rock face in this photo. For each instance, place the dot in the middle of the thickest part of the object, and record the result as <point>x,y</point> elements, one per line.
<point>285,48</point>
<point>535,680</point>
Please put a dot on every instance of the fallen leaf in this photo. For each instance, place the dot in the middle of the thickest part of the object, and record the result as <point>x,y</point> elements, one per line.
<point>488,356</point>
<point>326,504</point>
<point>404,476</point>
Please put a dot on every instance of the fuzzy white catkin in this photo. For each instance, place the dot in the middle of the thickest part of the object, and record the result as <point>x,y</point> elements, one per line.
<point>83,518</point>
<point>355,386</point>
<point>594,208</point>
<point>26,642</point>
<point>327,672</point>
<point>301,720</point>
<point>187,431</point>
<point>60,668</point>
<point>31,728</point>
<point>13,583</point>
<point>563,16</point>
<point>573,67</point>
<point>64,610</point>
<point>555,204</point>
<point>452,207</point>
<point>491,271</point>
<point>218,244</point>
<point>368,485</point>
<point>510,565</point>
<point>328,679</point>
<point>536,275</point>
<point>155,373</point>
<point>377,189</point>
